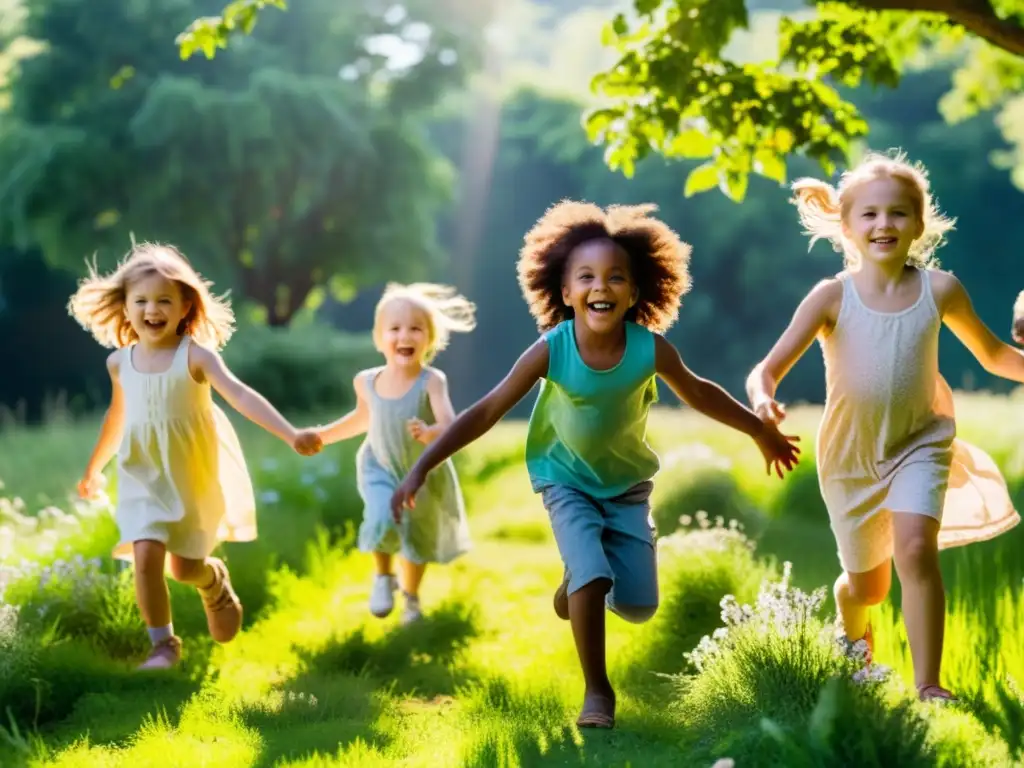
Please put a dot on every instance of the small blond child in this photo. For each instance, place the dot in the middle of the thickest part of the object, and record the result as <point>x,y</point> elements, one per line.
<point>402,406</point>
<point>183,485</point>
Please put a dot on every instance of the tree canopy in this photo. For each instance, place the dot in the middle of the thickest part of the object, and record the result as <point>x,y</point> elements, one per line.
<point>674,91</point>
<point>289,166</point>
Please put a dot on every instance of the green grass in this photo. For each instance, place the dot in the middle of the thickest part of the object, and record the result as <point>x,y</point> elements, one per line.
<point>490,677</point>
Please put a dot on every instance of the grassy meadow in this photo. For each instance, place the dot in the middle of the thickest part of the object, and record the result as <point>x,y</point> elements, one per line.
<point>490,678</point>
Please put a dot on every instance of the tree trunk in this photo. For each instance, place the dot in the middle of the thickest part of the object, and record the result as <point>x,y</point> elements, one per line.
<point>281,296</point>
<point>977,16</point>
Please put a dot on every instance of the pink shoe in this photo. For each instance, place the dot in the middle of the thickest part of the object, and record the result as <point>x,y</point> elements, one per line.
<point>163,655</point>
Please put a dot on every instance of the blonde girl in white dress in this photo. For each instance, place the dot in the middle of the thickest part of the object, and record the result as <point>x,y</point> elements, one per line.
<point>897,482</point>
<point>182,486</point>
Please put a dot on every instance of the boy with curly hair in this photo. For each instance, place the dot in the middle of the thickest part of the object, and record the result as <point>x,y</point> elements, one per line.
<point>603,286</point>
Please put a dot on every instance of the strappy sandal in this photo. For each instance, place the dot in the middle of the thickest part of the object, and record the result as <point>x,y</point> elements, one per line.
<point>596,718</point>
<point>935,692</point>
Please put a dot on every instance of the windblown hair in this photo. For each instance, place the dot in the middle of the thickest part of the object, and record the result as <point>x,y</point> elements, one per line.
<point>823,208</point>
<point>659,260</point>
<point>446,311</point>
<point>99,303</point>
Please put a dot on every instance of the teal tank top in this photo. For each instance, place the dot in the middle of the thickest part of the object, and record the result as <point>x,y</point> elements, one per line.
<point>588,428</point>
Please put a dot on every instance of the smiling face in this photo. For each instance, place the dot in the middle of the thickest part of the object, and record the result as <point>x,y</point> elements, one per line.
<point>598,285</point>
<point>883,221</point>
<point>403,334</point>
<point>155,308</point>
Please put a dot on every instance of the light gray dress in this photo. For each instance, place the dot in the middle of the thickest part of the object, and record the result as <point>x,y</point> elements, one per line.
<point>435,531</point>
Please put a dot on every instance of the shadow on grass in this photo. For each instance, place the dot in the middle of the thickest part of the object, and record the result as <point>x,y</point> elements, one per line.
<point>417,660</point>
<point>75,692</point>
<point>1005,719</point>
<point>533,728</point>
<point>349,688</point>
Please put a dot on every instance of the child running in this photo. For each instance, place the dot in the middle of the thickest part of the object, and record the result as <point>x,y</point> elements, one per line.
<point>403,406</point>
<point>896,481</point>
<point>602,285</point>
<point>182,485</point>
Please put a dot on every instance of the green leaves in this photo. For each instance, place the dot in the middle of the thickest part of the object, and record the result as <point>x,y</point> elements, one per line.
<point>209,33</point>
<point>673,92</point>
<point>701,179</point>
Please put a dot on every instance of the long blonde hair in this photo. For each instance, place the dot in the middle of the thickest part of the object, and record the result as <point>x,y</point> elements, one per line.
<point>823,208</point>
<point>446,311</point>
<point>99,303</point>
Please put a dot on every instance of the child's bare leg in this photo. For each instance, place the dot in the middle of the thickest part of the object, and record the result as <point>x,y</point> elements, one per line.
<point>210,576</point>
<point>411,576</point>
<point>151,593</point>
<point>194,572</point>
<point>155,604</point>
<point>856,592</point>
<point>587,617</point>
<point>382,562</point>
<point>924,597</point>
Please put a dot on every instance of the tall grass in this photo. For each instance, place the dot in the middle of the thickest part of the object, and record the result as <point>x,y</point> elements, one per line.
<point>491,678</point>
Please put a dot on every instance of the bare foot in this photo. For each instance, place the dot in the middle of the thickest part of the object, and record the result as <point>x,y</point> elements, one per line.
<point>561,600</point>
<point>935,692</point>
<point>598,711</point>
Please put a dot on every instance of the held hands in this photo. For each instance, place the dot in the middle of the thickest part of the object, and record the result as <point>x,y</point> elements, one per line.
<point>308,442</point>
<point>91,484</point>
<point>405,495</point>
<point>770,411</point>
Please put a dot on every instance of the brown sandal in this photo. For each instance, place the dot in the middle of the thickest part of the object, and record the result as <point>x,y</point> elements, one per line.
<point>223,608</point>
<point>594,717</point>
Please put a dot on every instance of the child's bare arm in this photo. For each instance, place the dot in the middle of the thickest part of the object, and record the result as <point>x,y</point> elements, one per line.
<point>440,404</point>
<point>476,420</point>
<point>111,432</point>
<point>816,311</point>
<point>701,394</point>
<point>353,423</point>
<point>713,401</point>
<point>996,356</point>
<point>207,365</point>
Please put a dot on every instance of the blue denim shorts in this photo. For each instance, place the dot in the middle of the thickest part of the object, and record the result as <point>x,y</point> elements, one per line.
<point>610,539</point>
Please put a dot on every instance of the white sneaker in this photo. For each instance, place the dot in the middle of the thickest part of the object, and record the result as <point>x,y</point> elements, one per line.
<point>412,612</point>
<point>382,595</point>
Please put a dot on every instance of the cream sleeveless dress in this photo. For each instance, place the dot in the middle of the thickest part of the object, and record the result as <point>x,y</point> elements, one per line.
<point>887,439</point>
<point>182,478</point>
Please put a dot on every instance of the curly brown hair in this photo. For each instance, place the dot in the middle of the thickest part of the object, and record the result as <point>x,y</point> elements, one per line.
<point>659,260</point>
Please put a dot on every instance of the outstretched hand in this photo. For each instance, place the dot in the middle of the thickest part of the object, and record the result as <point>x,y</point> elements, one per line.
<point>779,450</point>
<point>405,495</point>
